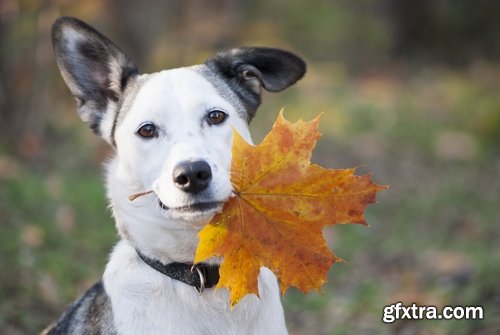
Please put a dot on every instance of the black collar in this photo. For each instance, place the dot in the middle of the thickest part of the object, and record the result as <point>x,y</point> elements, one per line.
<point>200,276</point>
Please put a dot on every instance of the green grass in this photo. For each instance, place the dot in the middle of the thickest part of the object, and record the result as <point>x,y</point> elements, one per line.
<point>50,260</point>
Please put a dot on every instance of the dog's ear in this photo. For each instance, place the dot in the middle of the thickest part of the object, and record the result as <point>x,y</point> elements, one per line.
<point>272,69</point>
<point>248,70</point>
<point>95,70</point>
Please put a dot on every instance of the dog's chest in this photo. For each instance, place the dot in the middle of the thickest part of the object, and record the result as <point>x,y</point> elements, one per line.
<point>160,310</point>
<point>147,302</point>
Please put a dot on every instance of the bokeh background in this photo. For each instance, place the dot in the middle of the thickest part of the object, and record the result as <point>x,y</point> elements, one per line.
<point>410,91</point>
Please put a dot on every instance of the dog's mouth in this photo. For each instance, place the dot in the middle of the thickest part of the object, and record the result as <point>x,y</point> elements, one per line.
<point>195,207</point>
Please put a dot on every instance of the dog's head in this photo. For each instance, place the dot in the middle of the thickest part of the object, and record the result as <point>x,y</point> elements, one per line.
<point>172,130</point>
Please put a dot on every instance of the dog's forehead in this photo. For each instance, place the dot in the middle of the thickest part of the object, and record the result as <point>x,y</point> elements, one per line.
<point>185,89</point>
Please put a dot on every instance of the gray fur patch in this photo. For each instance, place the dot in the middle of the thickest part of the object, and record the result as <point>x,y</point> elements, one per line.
<point>129,96</point>
<point>224,90</point>
<point>90,314</point>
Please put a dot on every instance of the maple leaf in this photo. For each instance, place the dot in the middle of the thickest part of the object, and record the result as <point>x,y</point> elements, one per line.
<point>281,204</point>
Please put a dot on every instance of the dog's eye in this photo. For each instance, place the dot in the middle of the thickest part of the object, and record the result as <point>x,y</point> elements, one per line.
<point>216,117</point>
<point>147,130</point>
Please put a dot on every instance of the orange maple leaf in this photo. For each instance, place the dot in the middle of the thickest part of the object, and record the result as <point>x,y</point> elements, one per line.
<point>281,204</point>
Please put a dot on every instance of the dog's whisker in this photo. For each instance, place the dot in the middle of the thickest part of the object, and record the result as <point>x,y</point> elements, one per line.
<point>140,194</point>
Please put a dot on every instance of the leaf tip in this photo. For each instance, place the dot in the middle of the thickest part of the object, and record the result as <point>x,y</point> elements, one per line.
<point>280,120</point>
<point>318,118</point>
<point>383,187</point>
<point>338,260</point>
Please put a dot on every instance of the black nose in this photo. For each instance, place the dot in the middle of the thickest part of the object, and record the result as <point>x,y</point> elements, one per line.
<point>192,176</point>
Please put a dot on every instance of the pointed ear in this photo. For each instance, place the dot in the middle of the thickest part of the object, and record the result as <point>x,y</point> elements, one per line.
<point>248,70</point>
<point>95,70</point>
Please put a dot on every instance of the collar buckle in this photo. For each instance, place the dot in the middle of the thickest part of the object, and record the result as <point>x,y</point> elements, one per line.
<point>202,279</point>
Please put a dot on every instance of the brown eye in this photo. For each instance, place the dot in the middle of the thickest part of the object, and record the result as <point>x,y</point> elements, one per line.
<point>216,117</point>
<point>147,130</point>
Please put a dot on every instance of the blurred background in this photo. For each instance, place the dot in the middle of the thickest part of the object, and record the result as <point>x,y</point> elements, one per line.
<point>410,91</point>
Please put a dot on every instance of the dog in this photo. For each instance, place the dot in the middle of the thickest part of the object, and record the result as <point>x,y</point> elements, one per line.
<point>172,133</point>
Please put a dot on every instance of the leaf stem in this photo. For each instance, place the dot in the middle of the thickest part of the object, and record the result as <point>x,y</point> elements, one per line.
<point>140,194</point>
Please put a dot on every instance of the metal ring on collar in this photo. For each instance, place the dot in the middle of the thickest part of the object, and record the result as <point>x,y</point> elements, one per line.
<point>202,279</point>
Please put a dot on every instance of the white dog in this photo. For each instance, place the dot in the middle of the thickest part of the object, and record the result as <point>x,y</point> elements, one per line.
<point>172,133</point>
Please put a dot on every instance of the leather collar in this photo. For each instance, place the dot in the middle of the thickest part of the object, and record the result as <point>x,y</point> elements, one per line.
<point>200,276</point>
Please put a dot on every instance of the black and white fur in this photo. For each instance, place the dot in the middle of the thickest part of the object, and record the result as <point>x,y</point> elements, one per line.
<point>115,100</point>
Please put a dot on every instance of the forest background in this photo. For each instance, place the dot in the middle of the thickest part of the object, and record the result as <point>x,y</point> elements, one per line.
<point>410,91</point>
